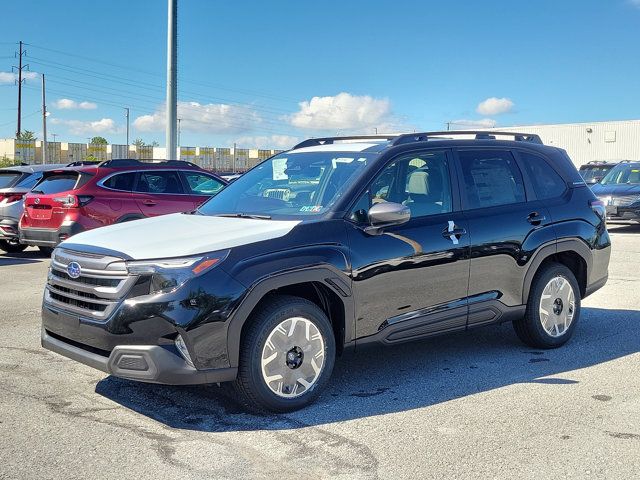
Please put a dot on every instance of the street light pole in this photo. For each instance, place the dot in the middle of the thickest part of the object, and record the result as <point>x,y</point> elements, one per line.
<point>127,115</point>
<point>44,125</point>
<point>172,78</point>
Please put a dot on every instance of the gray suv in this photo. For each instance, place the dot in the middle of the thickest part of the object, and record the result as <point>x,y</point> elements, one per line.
<point>15,182</point>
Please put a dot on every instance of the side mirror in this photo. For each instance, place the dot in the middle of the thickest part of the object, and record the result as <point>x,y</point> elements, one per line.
<point>387,214</point>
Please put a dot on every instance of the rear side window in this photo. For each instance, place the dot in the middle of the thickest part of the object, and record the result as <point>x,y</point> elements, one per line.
<point>546,182</point>
<point>56,183</point>
<point>121,181</point>
<point>7,179</point>
<point>201,184</point>
<point>491,178</point>
<point>159,182</point>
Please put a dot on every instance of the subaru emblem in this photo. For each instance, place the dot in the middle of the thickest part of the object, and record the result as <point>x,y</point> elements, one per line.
<point>37,201</point>
<point>74,270</point>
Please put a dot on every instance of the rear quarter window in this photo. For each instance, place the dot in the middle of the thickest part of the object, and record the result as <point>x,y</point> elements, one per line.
<point>546,181</point>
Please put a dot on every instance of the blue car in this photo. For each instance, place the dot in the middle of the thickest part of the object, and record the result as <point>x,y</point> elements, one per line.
<point>620,192</point>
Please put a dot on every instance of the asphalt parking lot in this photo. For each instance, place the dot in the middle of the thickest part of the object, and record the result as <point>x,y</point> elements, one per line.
<point>473,405</point>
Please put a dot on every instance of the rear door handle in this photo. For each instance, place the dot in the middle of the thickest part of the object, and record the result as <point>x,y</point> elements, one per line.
<point>535,218</point>
<point>150,203</point>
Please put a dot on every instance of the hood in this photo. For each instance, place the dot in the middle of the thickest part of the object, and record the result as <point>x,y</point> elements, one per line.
<point>179,235</point>
<point>616,189</point>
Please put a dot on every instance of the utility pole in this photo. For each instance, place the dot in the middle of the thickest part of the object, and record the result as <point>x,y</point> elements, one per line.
<point>448,126</point>
<point>20,67</point>
<point>44,125</point>
<point>172,78</point>
<point>179,132</point>
<point>127,115</point>
<point>54,135</point>
<point>235,157</point>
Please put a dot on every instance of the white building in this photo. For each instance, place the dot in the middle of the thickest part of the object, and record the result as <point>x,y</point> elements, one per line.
<point>584,142</point>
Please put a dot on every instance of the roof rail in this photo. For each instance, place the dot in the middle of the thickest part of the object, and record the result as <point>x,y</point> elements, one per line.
<point>131,162</point>
<point>312,142</point>
<point>479,135</point>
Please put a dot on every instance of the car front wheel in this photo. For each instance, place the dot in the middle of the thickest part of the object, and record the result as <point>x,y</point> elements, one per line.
<point>11,246</point>
<point>286,357</point>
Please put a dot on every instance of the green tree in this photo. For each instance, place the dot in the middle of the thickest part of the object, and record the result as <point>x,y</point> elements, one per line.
<point>27,135</point>
<point>138,142</point>
<point>98,141</point>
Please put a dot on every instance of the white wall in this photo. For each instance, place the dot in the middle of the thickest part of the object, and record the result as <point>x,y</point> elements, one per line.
<point>585,142</point>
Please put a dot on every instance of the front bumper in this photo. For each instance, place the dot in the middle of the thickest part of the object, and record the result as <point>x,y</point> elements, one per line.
<point>48,237</point>
<point>144,363</point>
<point>623,214</point>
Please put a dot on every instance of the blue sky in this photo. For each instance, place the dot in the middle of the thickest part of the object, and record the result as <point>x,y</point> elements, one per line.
<point>267,73</point>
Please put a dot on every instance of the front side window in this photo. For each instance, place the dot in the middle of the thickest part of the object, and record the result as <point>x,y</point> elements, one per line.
<point>491,178</point>
<point>624,173</point>
<point>201,184</point>
<point>298,185</point>
<point>546,182</point>
<point>420,181</point>
<point>167,182</point>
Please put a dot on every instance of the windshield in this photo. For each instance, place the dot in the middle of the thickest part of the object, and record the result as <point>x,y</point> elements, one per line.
<point>290,184</point>
<point>594,174</point>
<point>56,183</point>
<point>623,174</point>
<point>8,178</point>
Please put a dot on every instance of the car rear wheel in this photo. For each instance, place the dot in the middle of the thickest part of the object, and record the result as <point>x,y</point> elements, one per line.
<point>11,246</point>
<point>553,308</point>
<point>286,356</point>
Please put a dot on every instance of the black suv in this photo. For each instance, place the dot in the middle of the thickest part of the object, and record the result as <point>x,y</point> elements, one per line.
<point>339,242</point>
<point>595,171</point>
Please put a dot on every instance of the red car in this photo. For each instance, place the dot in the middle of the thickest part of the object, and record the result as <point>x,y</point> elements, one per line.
<point>71,200</point>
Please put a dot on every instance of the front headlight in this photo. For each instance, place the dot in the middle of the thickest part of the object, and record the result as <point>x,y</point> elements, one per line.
<point>169,274</point>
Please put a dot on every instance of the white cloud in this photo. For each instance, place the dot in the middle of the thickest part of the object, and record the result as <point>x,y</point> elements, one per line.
<point>79,127</point>
<point>67,104</point>
<point>7,78</point>
<point>494,106</point>
<point>280,142</point>
<point>483,123</point>
<point>211,118</point>
<point>342,112</point>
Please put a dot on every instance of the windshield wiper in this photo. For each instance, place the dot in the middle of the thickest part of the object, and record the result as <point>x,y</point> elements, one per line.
<point>37,191</point>
<point>244,215</point>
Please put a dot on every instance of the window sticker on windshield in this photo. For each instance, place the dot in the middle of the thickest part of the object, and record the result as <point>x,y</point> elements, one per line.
<point>279,168</point>
<point>311,208</point>
<point>635,171</point>
<point>338,160</point>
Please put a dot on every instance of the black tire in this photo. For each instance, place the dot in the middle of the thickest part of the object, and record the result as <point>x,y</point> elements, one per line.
<point>530,329</point>
<point>46,251</point>
<point>250,387</point>
<point>11,247</point>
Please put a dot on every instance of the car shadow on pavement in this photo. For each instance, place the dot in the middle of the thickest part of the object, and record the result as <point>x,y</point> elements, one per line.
<point>22,258</point>
<point>624,228</point>
<point>378,380</point>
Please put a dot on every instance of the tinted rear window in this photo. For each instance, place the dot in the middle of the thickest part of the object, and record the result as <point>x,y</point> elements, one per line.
<point>56,183</point>
<point>8,179</point>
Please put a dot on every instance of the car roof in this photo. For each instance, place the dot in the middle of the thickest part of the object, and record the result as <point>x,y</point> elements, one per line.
<point>34,168</point>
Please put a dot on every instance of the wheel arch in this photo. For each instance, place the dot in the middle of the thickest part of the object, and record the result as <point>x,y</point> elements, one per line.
<point>326,287</point>
<point>573,253</point>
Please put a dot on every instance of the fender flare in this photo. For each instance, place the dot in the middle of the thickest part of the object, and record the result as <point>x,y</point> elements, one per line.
<point>566,245</point>
<point>331,277</point>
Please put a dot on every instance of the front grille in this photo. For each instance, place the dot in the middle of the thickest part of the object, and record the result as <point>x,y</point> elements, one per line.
<point>102,285</point>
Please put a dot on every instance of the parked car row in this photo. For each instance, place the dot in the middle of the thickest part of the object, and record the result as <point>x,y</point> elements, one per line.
<point>44,205</point>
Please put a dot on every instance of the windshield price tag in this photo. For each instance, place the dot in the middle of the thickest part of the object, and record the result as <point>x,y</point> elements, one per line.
<point>279,168</point>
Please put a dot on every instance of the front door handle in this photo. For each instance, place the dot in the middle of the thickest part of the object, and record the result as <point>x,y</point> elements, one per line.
<point>150,203</point>
<point>535,218</point>
<point>453,233</point>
